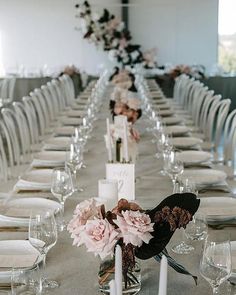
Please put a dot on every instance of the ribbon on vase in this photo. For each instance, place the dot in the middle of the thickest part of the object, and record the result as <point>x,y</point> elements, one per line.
<point>174,264</point>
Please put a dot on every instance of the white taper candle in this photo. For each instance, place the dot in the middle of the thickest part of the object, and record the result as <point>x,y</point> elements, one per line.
<point>109,141</point>
<point>118,270</point>
<point>163,276</point>
<point>112,286</point>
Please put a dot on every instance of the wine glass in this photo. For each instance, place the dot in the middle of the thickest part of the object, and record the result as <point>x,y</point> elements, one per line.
<point>26,281</point>
<point>174,168</point>
<point>74,162</point>
<point>43,236</point>
<point>62,188</point>
<point>196,230</point>
<point>216,264</point>
<point>183,247</point>
<point>163,144</point>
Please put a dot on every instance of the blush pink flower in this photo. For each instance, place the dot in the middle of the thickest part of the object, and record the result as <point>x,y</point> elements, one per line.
<point>135,227</point>
<point>86,210</point>
<point>100,237</point>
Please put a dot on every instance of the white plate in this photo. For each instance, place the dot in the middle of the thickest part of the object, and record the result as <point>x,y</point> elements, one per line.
<point>218,208</point>
<point>202,177</point>
<point>193,157</point>
<point>19,210</point>
<point>185,142</point>
<point>57,143</point>
<point>171,120</point>
<point>177,130</point>
<point>72,121</point>
<point>15,247</point>
<point>65,130</point>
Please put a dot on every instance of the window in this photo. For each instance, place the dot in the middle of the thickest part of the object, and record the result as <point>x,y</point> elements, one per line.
<point>227,35</point>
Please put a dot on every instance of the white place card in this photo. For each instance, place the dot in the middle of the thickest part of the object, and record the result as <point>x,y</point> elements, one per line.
<point>125,175</point>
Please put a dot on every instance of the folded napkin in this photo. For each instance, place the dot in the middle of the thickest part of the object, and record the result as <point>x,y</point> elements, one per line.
<point>17,260</point>
<point>35,180</point>
<point>198,165</point>
<point>31,186</point>
<point>49,159</point>
<point>222,186</point>
<point>57,144</point>
<point>217,211</point>
<point>72,121</point>
<point>76,113</point>
<point>21,212</point>
<point>65,130</point>
<point>78,107</point>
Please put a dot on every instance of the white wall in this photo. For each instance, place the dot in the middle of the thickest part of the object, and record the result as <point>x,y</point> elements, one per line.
<point>38,32</point>
<point>184,31</point>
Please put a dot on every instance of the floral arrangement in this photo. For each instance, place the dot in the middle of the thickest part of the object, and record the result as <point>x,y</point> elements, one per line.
<point>140,233</point>
<point>110,34</point>
<point>196,71</point>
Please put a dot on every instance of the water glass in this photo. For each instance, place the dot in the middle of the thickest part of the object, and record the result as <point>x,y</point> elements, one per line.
<point>216,263</point>
<point>62,185</point>
<point>197,229</point>
<point>43,236</point>
<point>26,281</point>
<point>174,169</point>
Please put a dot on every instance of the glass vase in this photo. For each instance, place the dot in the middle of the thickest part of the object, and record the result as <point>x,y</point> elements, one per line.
<point>107,273</point>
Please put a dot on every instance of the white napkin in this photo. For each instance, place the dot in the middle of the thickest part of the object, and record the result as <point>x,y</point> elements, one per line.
<point>57,144</point>
<point>17,260</point>
<point>27,185</point>
<point>65,130</point>
<point>21,212</point>
<point>49,159</point>
<point>218,211</point>
<point>76,113</point>
<point>72,121</point>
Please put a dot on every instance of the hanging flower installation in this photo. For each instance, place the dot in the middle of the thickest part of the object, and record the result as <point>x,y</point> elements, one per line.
<point>109,33</point>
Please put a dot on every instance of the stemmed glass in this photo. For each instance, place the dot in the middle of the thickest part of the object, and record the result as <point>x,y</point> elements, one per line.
<point>62,188</point>
<point>163,144</point>
<point>43,236</point>
<point>174,168</point>
<point>216,265</point>
<point>196,230</point>
<point>74,162</point>
<point>26,281</point>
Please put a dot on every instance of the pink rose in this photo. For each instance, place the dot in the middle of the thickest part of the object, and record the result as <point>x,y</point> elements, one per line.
<point>135,227</point>
<point>86,210</point>
<point>100,237</point>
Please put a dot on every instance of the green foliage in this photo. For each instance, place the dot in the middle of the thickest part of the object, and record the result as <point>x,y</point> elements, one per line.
<point>227,60</point>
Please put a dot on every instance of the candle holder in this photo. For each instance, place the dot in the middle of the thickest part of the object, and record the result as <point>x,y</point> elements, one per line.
<point>107,273</point>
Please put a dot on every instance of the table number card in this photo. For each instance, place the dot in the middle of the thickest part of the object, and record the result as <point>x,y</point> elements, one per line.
<point>125,175</point>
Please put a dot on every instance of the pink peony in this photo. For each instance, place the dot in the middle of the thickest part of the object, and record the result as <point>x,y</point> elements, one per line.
<point>135,227</point>
<point>86,210</point>
<point>100,237</point>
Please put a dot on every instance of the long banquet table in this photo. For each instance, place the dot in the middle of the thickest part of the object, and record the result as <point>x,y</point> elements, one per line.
<point>76,270</point>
